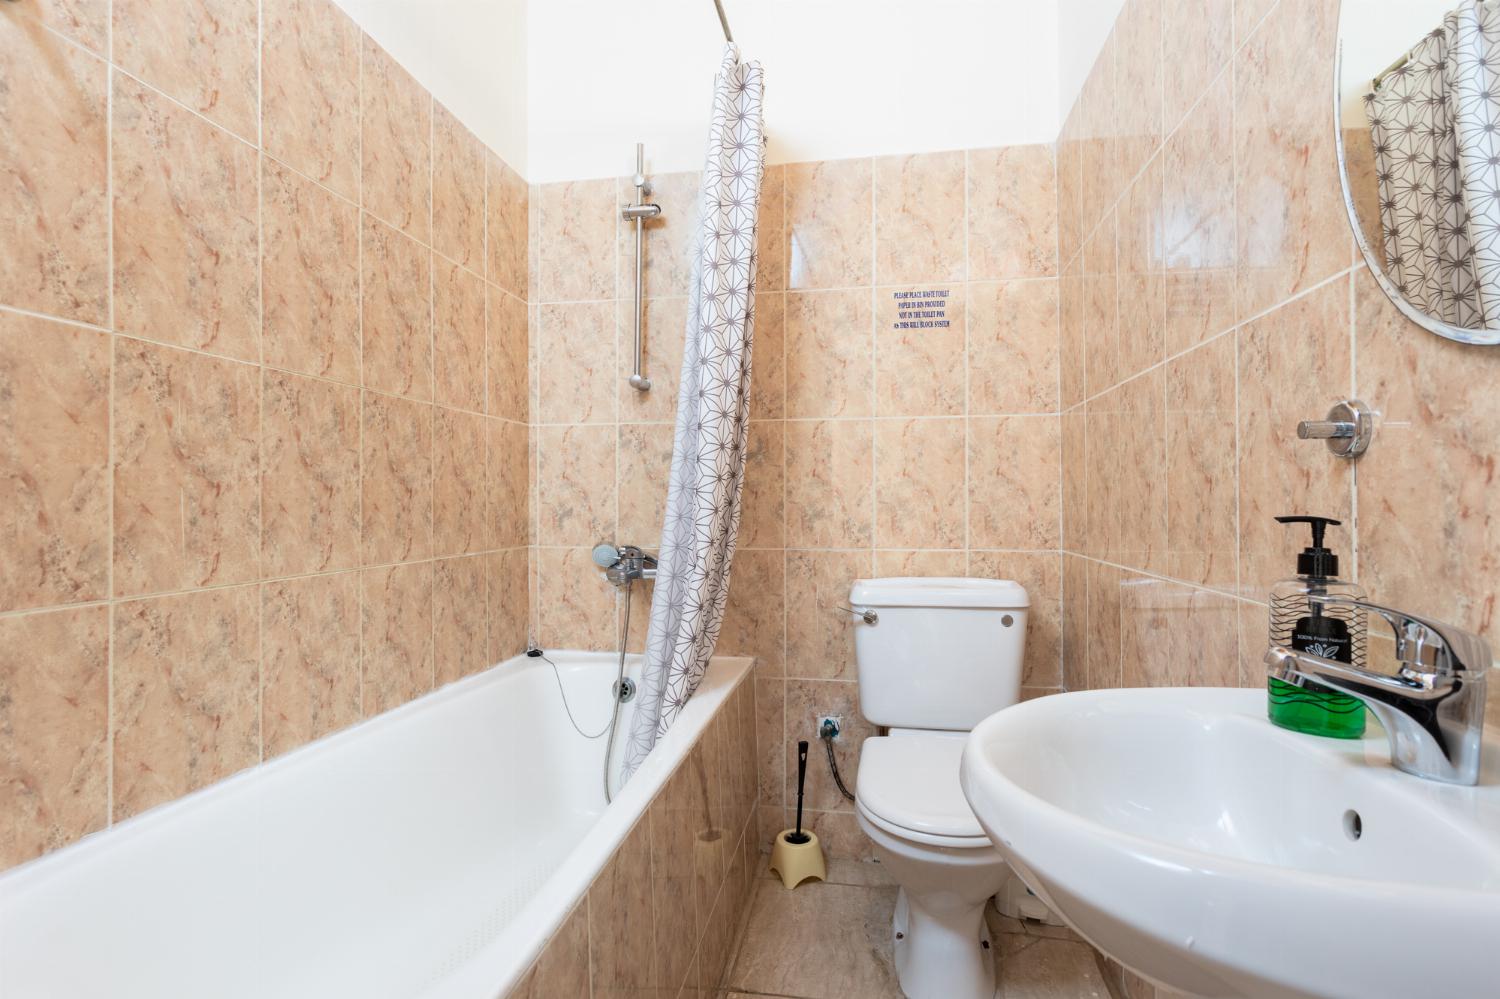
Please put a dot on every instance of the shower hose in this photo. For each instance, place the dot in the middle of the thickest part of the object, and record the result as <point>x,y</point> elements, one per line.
<point>616,695</point>
<point>826,733</point>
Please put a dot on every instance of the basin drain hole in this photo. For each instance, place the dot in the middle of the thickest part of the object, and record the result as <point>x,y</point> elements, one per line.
<point>1354,826</point>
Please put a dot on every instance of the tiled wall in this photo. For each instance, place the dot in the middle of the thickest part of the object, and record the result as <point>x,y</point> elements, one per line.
<point>1211,298</point>
<point>661,916</point>
<point>873,449</point>
<point>262,366</point>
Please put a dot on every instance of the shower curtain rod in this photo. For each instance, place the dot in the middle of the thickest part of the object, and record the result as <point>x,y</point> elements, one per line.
<point>719,6</point>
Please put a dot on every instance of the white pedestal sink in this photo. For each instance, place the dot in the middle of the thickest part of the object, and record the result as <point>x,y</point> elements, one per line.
<point>1190,839</point>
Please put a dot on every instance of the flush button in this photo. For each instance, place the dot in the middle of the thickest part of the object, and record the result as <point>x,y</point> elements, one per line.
<point>1007,620</point>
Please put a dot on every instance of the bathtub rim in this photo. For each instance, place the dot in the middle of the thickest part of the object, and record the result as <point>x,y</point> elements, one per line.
<point>506,960</point>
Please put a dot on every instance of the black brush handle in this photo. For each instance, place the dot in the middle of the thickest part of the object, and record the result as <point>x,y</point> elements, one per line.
<point>801,778</point>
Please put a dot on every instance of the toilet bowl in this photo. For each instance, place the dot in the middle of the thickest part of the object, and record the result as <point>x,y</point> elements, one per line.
<point>929,841</point>
<point>935,656</point>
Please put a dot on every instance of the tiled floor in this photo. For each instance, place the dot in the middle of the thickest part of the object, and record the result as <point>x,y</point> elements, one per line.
<point>833,941</point>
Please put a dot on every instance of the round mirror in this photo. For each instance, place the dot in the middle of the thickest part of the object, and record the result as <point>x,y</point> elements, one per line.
<point>1417,115</point>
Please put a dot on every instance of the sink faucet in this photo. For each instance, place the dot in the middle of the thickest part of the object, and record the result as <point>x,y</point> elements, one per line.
<point>625,563</point>
<point>1432,709</point>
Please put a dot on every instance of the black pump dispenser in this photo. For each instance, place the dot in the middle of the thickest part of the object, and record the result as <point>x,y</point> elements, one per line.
<point>1315,561</point>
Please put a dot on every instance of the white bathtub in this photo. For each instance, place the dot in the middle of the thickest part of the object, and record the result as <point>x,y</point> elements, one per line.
<point>430,851</point>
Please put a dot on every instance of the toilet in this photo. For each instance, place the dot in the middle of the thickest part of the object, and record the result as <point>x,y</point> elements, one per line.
<point>937,656</point>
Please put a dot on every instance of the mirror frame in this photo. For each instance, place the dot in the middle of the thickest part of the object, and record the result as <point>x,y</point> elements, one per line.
<point>1372,263</point>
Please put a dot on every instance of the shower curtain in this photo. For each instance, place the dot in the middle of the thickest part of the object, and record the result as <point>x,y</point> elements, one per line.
<point>713,407</point>
<point>1437,148</point>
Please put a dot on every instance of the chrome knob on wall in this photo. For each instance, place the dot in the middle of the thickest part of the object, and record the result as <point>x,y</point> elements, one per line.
<point>1348,429</point>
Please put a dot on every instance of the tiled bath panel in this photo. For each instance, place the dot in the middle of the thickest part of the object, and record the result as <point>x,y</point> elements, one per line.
<point>262,399</point>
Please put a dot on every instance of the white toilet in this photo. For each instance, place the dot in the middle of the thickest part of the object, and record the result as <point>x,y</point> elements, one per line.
<point>939,656</point>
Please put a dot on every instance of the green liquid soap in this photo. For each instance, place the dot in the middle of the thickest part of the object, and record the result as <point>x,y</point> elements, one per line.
<point>1314,711</point>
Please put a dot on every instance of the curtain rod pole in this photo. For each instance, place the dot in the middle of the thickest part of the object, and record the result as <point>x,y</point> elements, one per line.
<point>719,6</point>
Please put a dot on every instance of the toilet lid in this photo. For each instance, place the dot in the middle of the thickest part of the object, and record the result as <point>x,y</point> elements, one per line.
<point>911,781</point>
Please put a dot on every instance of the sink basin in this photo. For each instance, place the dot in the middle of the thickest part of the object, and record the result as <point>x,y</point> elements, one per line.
<point>1193,841</point>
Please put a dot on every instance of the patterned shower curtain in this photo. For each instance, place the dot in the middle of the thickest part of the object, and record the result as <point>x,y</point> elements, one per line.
<point>1435,122</point>
<point>713,407</point>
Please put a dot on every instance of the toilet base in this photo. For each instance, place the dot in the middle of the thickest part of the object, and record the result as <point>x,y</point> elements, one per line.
<point>942,955</point>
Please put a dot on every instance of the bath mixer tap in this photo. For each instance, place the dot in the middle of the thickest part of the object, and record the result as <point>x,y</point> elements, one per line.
<point>625,563</point>
<point>1432,709</point>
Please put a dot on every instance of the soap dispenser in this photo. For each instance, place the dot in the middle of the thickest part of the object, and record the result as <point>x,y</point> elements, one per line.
<point>1332,631</point>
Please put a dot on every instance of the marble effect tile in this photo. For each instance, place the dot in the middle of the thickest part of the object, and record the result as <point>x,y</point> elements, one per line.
<point>576,363</point>
<point>459,522</point>
<point>458,191</point>
<point>754,618</point>
<point>397,312</point>
<point>310,496</point>
<point>396,635</point>
<point>919,218</point>
<point>829,231</point>
<point>576,241</point>
<point>920,480</point>
<point>460,617</point>
<point>1013,212</point>
<point>1014,471</point>
<point>310,686</point>
<point>310,100</point>
<point>458,337</point>
<point>186,223</point>
<point>55,200</point>
<point>576,487</point>
<point>829,354</point>
<point>396,479</point>
<point>1013,346</point>
<point>507,215</point>
<point>829,483</point>
<point>54,449</point>
<point>202,53</point>
<point>763,498</point>
<point>396,144</point>
<point>820,643</point>
<point>507,345</point>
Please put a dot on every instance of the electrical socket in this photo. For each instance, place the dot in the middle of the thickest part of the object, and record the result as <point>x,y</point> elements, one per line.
<point>835,720</point>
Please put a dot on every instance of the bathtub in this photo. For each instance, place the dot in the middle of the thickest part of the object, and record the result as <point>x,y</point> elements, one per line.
<point>430,851</point>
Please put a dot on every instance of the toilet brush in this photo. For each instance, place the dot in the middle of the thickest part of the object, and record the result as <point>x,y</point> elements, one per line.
<point>796,855</point>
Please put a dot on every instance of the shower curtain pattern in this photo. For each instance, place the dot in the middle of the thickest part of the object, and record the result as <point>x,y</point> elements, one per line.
<point>713,407</point>
<point>1435,122</point>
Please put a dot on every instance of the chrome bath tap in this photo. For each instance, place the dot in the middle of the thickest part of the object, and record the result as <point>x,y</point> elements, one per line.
<point>1432,709</point>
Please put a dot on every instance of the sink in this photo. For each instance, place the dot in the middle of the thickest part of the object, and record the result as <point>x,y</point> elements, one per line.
<point>1186,836</point>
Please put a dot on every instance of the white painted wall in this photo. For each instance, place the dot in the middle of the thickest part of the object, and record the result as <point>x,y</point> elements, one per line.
<point>471,55</point>
<point>1085,28</point>
<point>843,78</point>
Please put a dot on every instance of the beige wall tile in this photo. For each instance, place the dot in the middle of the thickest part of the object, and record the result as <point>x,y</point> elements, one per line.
<point>1289,207</point>
<point>919,350</point>
<point>663,321</point>
<point>1013,482</point>
<point>770,232</point>
<point>575,605</point>
<point>1102,653</point>
<point>1426,503</point>
<point>1288,359</point>
<point>310,100</point>
<point>915,562</point>
<point>459,616</point>
<point>310,490</point>
<point>806,702</point>
<point>828,483</point>
<point>185,693</point>
<point>828,224</point>
<point>1070,231</point>
<point>576,367</point>
<point>645,463</point>
<point>1013,347</point>
<point>819,638</point>
<point>54,730</point>
<point>1072,352</point>
<point>1198,209</point>
<point>829,354</point>
<point>397,312</point>
<point>763,500</point>
<point>507,337</point>
<point>1138,87</point>
<point>310,687</point>
<point>84,21</point>
<point>1098,126</point>
<point>1196,40</point>
<point>200,52</point>
<point>920,483</point>
<point>507,211</point>
<point>1012,223</point>
<point>396,479</point>
<point>458,337</point>
<point>622,952</point>
<point>459,522</point>
<point>1201,472</point>
<point>673,897</point>
<point>576,241</point>
<point>186,216</point>
<point>1075,633</point>
<point>576,485</point>
<point>396,144</point>
<point>670,237</point>
<point>1041,574</point>
<point>54,152</point>
<point>458,191</point>
<point>54,449</point>
<point>563,968</point>
<point>309,277</point>
<point>768,358</point>
<point>508,603</point>
<point>1137,491</point>
<point>1076,473</point>
<point>919,218</point>
<point>1101,320</point>
<point>397,635</point>
<point>186,469</point>
<point>754,619</point>
<point>507,484</point>
<point>1141,287</point>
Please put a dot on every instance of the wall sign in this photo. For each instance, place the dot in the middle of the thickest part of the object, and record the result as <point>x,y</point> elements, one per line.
<point>921,310</point>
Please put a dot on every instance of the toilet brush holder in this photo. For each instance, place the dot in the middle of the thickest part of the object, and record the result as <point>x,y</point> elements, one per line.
<point>797,855</point>
<point>795,861</point>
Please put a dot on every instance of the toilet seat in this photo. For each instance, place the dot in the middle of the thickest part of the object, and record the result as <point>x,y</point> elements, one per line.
<point>908,785</point>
